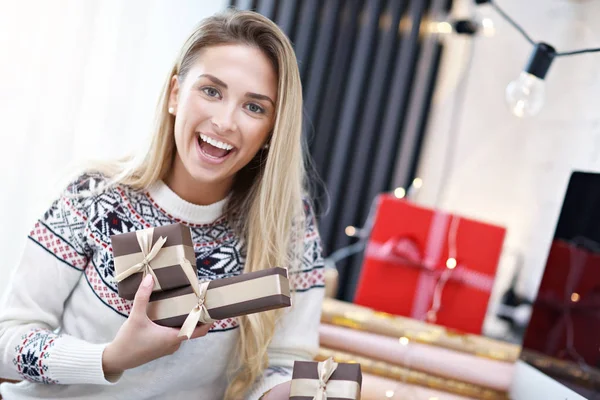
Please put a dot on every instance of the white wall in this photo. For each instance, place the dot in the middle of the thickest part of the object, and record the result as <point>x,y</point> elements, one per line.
<point>509,171</point>
<point>78,80</point>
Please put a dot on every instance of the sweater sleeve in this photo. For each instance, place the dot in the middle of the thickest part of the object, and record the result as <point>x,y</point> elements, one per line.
<point>54,258</point>
<point>296,336</point>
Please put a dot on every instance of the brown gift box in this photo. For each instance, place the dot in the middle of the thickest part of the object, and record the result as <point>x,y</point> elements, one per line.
<point>173,264</point>
<point>312,379</point>
<point>412,376</point>
<point>225,298</point>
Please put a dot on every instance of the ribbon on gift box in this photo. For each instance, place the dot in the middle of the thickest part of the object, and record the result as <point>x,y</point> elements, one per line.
<point>149,253</point>
<point>144,238</point>
<point>323,387</point>
<point>404,250</point>
<point>199,313</point>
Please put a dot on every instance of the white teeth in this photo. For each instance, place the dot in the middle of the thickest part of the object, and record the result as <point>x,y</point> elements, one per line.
<point>216,143</point>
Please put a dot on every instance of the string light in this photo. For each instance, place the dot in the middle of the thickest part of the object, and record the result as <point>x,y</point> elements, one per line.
<point>451,263</point>
<point>404,341</point>
<point>350,231</point>
<point>468,27</point>
<point>575,297</point>
<point>525,95</point>
<point>489,29</point>
<point>417,183</point>
<point>400,192</point>
<point>389,394</point>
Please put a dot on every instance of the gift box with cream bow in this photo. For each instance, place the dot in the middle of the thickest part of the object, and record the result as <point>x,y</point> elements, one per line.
<point>166,252</point>
<point>325,380</point>
<point>209,301</point>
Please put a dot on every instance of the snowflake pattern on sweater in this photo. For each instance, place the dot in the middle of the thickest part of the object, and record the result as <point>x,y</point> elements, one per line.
<point>76,230</point>
<point>31,354</point>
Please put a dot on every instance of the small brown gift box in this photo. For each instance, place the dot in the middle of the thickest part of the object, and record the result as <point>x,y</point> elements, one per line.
<point>220,299</point>
<point>166,252</point>
<point>325,380</point>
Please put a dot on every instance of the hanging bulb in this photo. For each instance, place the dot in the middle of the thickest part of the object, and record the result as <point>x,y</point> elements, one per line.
<point>525,95</point>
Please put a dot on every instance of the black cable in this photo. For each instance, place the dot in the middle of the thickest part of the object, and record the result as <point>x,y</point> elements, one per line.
<point>527,37</point>
<point>571,53</point>
<point>512,22</point>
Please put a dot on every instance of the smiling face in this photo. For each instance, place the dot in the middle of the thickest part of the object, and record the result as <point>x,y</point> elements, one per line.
<point>224,112</point>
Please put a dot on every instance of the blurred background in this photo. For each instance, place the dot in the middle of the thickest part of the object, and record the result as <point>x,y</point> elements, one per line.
<point>399,99</point>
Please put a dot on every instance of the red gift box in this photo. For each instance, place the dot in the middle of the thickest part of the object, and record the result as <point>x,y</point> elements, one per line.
<point>567,308</point>
<point>406,265</point>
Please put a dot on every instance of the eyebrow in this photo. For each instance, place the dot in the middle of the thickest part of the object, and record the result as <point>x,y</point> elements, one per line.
<point>248,94</point>
<point>214,79</point>
<point>260,97</point>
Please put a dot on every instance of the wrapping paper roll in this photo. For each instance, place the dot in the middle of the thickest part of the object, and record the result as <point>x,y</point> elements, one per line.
<point>413,377</point>
<point>349,315</point>
<point>378,388</point>
<point>430,359</point>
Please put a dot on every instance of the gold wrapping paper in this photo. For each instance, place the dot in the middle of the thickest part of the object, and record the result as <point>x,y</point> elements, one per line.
<point>433,360</point>
<point>350,315</point>
<point>377,388</point>
<point>409,376</point>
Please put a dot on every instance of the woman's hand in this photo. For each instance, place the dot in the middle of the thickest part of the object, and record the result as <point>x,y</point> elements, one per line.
<point>279,392</point>
<point>139,340</point>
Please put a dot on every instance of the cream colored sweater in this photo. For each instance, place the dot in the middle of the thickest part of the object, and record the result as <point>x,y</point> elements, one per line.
<point>62,306</point>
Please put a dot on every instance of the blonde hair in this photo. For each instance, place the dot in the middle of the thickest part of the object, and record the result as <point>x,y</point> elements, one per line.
<point>265,206</point>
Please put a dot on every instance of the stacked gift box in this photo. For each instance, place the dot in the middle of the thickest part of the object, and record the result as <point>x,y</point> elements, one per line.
<point>178,298</point>
<point>419,308</point>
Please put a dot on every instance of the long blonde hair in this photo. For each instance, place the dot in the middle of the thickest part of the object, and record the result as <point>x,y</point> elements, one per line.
<point>265,207</point>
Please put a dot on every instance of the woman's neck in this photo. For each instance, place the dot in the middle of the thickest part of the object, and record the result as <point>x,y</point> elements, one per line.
<point>193,191</point>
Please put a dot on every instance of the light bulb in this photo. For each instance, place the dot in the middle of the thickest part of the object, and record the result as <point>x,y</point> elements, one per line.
<point>400,193</point>
<point>350,231</point>
<point>525,95</point>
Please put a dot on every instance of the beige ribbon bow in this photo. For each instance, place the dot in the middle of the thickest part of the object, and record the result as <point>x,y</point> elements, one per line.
<point>144,238</point>
<point>325,371</point>
<point>199,313</point>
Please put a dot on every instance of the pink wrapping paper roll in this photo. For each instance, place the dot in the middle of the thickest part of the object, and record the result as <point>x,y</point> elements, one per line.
<point>434,360</point>
<point>377,388</point>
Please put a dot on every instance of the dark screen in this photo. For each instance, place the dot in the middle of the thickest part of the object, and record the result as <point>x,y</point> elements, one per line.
<point>563,336</point>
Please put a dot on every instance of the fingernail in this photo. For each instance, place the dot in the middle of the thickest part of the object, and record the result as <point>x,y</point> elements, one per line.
<point>147,280</point>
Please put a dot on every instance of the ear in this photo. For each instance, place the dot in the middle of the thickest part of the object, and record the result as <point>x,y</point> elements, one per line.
<point>174,94</point>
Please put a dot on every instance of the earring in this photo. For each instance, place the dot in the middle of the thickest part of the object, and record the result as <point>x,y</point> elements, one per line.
<point>171,110</point>
<point>266,146</point>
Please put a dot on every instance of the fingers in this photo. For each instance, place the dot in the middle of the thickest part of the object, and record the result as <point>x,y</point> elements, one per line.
<point>174,348</point>
<point>201,330</point>
<point>142,296</point>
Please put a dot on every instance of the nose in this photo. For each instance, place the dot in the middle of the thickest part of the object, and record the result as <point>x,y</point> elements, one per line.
<point>224,119</point>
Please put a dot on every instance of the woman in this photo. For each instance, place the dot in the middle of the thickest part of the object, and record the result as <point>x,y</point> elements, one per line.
<point>225,159</point>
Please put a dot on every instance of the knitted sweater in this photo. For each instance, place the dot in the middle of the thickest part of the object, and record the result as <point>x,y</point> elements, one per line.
<point>62,307</point>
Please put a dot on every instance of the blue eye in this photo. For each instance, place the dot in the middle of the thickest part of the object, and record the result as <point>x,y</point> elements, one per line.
<point>255,108</point>
<point>211,91</point>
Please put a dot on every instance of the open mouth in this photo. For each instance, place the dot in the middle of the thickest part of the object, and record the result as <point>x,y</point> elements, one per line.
<point>213,148</point>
